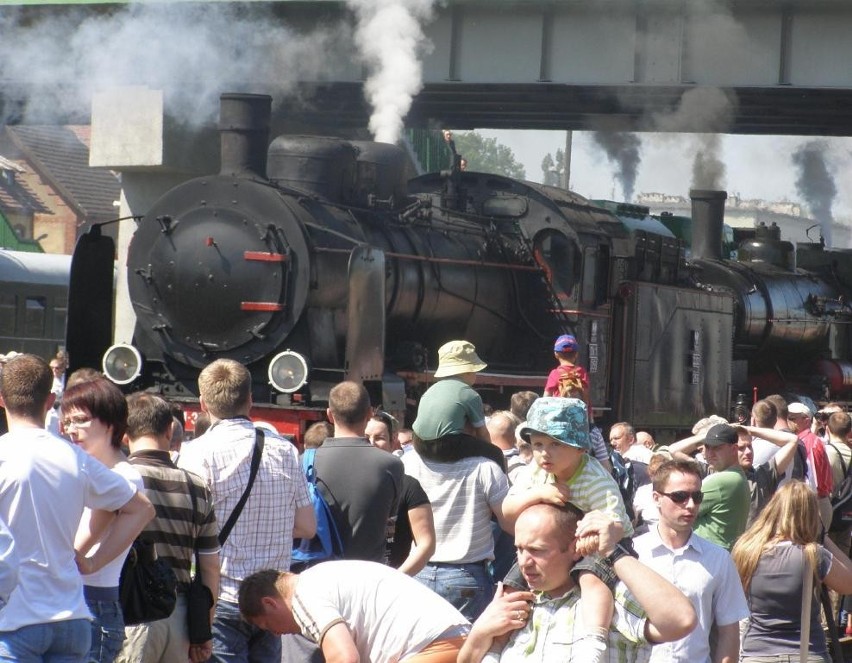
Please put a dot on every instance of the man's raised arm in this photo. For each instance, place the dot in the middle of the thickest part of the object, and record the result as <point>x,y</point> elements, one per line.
<point>670,614</point>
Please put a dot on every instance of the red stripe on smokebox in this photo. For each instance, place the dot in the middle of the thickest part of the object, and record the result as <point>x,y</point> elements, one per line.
<point>261,306</point>
<point>263,256</point>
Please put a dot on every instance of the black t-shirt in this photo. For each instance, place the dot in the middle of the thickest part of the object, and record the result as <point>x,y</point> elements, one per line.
<point>412,496</point>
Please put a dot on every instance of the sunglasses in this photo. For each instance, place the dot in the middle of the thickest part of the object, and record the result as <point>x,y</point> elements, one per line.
<point>682,496</point>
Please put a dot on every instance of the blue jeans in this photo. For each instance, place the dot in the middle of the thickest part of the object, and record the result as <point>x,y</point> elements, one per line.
<point>237,641</point>
<point>107,630</point>
<point>468,587</point>
<point>53,642</point>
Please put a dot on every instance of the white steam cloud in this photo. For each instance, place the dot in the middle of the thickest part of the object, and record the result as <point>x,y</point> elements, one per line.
<point>53,63</point>
<point>389,36</point>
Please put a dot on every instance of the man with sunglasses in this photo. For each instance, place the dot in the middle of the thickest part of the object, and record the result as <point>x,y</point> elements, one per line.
<point>702,570</point>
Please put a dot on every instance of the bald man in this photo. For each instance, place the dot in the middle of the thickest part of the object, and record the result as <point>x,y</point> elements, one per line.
<point>501,427</point>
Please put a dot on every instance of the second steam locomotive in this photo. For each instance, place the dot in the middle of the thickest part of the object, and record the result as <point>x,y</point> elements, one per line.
<point>312,260</point>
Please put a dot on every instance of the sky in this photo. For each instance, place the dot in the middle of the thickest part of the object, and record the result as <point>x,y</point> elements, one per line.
<point>754,166</point>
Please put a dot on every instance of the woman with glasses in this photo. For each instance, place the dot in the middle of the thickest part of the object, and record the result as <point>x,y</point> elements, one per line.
<point>94,416</point>
<point>782,558</point>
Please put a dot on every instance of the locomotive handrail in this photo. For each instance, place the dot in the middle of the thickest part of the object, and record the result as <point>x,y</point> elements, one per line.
<point>448,261</point>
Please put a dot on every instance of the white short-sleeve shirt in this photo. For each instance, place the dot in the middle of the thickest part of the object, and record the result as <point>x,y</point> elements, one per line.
<point>706,574</point>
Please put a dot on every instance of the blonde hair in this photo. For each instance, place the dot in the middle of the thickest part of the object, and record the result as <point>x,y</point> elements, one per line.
<point>791,515</point>
<point>225,386</point>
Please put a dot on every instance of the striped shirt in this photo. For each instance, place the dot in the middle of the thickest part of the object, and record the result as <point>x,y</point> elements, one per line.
<point>592,489</point>
<point>464,495</point>
<point>262,537</point>
<point>173,529</point>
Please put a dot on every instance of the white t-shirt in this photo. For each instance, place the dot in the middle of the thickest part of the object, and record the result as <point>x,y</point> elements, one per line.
<point>45,482</point>
<point>390,615</point>
<point>464,494</point>
<point>108,576</point>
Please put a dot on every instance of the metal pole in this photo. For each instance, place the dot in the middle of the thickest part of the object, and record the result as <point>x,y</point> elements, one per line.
<point>566,160</point>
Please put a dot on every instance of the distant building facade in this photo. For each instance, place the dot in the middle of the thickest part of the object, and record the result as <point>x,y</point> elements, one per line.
<point>48,192</point>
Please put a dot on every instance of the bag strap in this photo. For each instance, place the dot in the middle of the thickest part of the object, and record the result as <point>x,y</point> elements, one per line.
<point>255,464</point>
<point>839,455</point>
<point>805,622</point>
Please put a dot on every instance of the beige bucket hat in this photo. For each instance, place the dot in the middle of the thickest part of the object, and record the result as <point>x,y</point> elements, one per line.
<point>457,357</point>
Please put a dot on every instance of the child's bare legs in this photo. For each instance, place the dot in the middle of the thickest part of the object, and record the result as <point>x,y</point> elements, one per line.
<point>597,608</point>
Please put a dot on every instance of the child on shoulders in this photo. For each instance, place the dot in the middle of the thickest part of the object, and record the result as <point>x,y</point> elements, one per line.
<point>563,471</point>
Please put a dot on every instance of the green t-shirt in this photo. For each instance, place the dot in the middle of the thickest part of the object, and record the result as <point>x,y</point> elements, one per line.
<point>445,408</point>
<point>724,511</point>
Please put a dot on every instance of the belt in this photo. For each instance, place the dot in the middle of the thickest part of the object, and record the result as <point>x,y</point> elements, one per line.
<point>484,562</point>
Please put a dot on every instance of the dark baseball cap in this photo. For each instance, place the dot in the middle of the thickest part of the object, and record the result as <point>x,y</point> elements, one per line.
<point>720,434</point>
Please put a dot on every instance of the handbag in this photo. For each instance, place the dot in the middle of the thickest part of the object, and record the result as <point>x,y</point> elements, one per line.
<point>147,587</point>
<point>199,598</point>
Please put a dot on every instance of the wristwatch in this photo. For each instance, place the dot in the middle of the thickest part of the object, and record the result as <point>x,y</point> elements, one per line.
<point>623,548</point>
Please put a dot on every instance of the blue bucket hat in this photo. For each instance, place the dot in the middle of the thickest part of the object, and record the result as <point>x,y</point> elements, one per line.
<point>564,419</point>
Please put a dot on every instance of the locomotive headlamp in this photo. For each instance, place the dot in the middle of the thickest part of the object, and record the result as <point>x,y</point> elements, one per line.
<point>288,371</point>
<point>122,363</point>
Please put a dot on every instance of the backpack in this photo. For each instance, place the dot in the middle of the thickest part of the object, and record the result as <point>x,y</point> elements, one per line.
<point>841,501</point>
<point>625,477</point>
<point>570,382</point>
<point>326,543</point>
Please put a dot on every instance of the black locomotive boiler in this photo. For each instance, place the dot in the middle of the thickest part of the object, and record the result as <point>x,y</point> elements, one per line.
<point>312,260</point>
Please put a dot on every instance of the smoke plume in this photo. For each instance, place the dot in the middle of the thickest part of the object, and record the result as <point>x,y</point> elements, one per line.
<point>708,169</point>
<point>623,151</point>
<point>815,184</point>
<point>703,109</point>
<point>52,63</point>
<point>390,38</point>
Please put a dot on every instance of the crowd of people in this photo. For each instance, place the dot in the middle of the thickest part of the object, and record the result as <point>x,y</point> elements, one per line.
<point>474,535</point>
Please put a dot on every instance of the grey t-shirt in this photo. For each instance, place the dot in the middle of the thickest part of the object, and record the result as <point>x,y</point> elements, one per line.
<point>775,601</point>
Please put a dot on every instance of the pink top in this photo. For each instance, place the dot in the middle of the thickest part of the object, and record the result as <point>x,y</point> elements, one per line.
<point>552,386</point>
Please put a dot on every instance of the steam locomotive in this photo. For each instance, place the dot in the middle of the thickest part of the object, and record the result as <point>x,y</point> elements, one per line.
<point>312,260</point>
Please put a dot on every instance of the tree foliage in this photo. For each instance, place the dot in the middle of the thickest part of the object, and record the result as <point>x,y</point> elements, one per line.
<point>486,155</point>
<point>552,169</point>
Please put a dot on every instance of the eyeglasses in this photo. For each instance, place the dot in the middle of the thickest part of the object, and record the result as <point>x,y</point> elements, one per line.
<point>682,496</point>
<point>77,422</point>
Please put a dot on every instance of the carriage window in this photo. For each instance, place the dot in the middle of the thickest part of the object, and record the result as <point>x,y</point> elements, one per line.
<point>7,314</point>
<point>34,316</point>
<point>59,316</point>
<point>561,257</point>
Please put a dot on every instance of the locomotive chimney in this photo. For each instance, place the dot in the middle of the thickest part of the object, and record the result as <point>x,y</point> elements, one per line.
<point>244,133</point>
<point>708,217</point>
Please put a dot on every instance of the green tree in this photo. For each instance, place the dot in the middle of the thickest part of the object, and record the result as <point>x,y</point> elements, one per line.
<point>552,169</point>
<point>486,155</point>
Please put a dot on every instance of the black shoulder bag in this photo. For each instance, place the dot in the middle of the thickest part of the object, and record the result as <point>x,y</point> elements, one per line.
<point>147,587</point>
<point>199,598</point>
